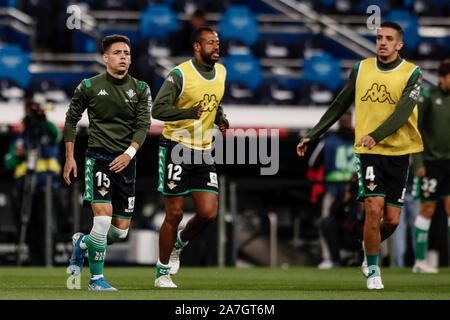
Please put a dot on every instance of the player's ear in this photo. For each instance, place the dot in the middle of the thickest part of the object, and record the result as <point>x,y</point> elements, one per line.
<point>105,57</point>
<point>400,45</point>
<point>196,46</point>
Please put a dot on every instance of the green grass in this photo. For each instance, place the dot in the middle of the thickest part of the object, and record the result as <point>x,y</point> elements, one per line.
<point>295,283</point>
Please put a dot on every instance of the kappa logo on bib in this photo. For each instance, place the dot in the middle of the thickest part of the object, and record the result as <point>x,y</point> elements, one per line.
<point>378,93</point>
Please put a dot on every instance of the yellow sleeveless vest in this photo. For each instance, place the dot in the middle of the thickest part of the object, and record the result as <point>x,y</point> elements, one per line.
<point>377,93</point>
<point>197,133</point>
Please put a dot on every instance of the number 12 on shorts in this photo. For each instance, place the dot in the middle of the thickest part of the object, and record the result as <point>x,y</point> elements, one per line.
<point>174,172</point>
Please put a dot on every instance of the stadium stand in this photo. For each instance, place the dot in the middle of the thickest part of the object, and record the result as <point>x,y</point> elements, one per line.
<point>243,68</point>
<point>281,45</point>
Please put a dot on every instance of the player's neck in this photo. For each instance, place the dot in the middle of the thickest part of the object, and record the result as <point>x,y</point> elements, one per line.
<point>389,63</point>
<point>200,65</point>
<point>116,78</point>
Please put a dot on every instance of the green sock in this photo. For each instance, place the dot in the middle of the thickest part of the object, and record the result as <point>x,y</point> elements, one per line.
<point>421,241</point>
<point>96,245</point>
<point>372,263</point>
<point>179,243</point>
<point>162,269</point>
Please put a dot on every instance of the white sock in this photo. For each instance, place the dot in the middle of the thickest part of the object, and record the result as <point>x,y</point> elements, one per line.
<point>422,223</point>
<point>96,277</point>
<point>115,234</point>
<point>162,264</point>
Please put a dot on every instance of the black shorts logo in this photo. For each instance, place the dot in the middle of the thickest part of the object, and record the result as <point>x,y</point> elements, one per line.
<point>378,93</point>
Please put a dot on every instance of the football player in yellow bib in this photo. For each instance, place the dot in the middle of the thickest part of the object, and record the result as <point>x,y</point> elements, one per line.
<point>189,103</point>
<point>385,90</point>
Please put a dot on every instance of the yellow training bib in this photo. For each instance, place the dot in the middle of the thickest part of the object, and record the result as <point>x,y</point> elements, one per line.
<point>197,133</point>
<point>377,93</point>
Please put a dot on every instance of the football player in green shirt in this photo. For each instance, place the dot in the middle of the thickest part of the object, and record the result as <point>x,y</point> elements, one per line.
<point>118,108</point>
<point>433,164</point>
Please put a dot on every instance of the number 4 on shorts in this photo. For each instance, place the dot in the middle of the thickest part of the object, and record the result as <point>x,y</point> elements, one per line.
<point>369,174</point>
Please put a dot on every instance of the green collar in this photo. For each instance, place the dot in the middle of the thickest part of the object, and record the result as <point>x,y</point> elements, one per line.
<point>114,80</point>
<point>390,65</point>
<point>206,71</point>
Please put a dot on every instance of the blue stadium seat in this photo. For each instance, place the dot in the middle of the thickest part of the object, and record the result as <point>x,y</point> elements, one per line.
<point>432,49</point>
<point>237,22</point>
<point>304,48</point>
<point>428,8</point>
<point>14,65</point>
<point>233,46</point>
<point>9,90</point>
<point>158,21</point>
<point>323,68</point>
<point>274,94</point>
<point>144,4</point>
<point>384,5</point>
<point>49,87</point>
<point>244,69</point>
<point>238,93</point>
<point>219,5</point>
<point>270,48</point>
<point>110,5</point>
<point>313,94</point>
<point>156,48</point>
<point>409,24</point>
<point>8,3</point>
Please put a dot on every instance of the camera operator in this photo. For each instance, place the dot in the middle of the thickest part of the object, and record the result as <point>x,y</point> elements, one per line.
<point>33,154</point>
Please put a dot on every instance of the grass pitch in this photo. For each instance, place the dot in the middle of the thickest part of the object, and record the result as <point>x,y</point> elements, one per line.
<point>295,283</point>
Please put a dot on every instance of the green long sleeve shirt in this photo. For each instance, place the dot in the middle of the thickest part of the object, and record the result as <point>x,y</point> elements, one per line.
<point>170,91</point>
<point>118,112</point>
<point>434,120</point>
<point>346,97</point>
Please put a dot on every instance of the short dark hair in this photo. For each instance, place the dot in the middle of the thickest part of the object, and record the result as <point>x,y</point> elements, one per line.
<point>393,25</point>
<point>444,68</point>
<point>197,34</point>
<point>109,40</point>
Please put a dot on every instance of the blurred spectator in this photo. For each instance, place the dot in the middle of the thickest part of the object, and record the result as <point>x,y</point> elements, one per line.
<point>335,158</point>
<point>180,41</point>
<point>33,155</point>
<point>410,211</point>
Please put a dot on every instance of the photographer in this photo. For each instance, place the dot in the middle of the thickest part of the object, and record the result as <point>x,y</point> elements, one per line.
<point>34,154</point>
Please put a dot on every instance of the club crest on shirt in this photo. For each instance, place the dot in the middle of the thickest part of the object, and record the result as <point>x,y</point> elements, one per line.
<point>130,93</point>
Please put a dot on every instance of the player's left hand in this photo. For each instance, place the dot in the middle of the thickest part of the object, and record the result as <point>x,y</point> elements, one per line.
<point>223,126</point>
<point>119,163</point>
<point>366,141</point>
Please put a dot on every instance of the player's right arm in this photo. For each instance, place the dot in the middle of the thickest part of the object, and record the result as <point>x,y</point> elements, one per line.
<point>337,108</point>
<point>77,106</point>
<point>167,96</point>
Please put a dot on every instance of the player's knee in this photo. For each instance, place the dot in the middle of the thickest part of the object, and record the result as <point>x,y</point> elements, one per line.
<point>174,215</point>
<point>393,223</point>
<point>373,207</point>
<point>427,209</point>
<point>208,215</point>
